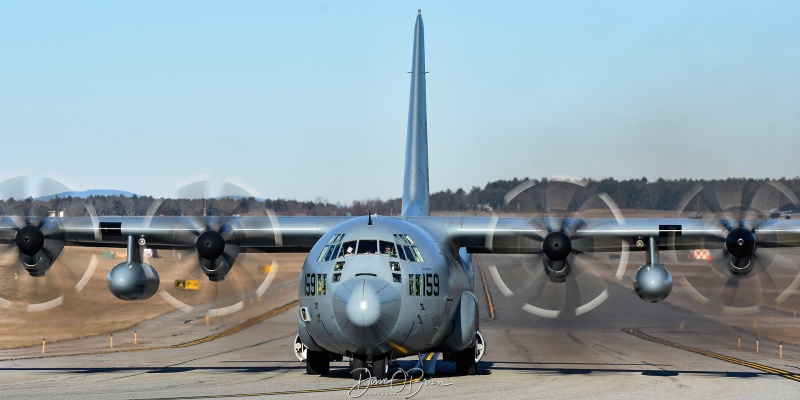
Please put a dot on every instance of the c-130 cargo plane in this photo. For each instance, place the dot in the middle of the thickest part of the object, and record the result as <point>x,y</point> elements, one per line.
<point>375,288</point>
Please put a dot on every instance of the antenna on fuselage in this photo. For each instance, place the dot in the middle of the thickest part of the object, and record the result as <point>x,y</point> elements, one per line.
<point>369,217</point>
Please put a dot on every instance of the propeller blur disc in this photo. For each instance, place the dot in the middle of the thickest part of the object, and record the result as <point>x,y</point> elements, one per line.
<point>737,274</point>
<point>208,209</point>
<point>561,279</point>
<point>32,207</point>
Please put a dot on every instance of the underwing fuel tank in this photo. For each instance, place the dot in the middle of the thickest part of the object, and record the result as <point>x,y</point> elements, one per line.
<point>133,281</point>
<point>652,283</point>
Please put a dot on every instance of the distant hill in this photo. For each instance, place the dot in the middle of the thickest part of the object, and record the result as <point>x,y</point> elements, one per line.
<point>87,193</point>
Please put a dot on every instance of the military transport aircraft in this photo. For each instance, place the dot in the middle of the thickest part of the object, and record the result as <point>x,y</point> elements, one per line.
<point>374,288</point>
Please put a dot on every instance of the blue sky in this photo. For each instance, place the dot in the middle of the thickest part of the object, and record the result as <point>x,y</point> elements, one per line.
<point>309,100</point>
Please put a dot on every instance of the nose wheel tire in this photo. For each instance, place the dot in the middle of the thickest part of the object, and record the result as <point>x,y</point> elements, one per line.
<point>480,346</point>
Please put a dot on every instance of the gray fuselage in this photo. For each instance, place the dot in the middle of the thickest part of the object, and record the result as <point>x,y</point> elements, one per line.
<point>387,287</point>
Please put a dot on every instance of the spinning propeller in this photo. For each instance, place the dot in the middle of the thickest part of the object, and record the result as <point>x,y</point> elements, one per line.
<point>212,256</point>
<point>32,243</point>
<point>745,271</point>
<point>561,275</point>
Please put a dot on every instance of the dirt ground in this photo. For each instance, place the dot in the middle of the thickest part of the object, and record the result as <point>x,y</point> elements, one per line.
<point>30,309</point>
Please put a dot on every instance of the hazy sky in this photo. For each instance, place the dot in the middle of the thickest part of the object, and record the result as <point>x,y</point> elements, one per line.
<point>310,99</point>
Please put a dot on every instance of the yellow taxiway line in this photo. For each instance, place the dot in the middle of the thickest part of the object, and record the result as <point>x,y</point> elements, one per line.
<point>722,357</point>
<point>486,287</point>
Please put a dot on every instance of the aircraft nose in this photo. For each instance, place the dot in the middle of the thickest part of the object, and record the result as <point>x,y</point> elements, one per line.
<point>363,305</point>
<point>366,308</point>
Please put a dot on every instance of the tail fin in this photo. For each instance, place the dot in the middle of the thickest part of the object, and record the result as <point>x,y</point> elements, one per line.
<point>415,183</point>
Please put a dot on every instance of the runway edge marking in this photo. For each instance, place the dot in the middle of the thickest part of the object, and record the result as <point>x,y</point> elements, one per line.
<point>230,331</point>
<point>722,357</point>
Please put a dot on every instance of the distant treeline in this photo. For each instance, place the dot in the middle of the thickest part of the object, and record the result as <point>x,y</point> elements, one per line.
<point>515,195</point>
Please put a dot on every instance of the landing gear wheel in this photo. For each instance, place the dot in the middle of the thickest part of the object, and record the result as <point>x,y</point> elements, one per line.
<point>300,350</point>
<point>358,368</point>
<point>465,361</point>
<point>380,368</point>
<point>318,362</point>
<point>480,346</point>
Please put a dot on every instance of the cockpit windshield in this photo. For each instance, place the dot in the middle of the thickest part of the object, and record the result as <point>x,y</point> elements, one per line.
<point>403,247</point>
<point>367,247</point>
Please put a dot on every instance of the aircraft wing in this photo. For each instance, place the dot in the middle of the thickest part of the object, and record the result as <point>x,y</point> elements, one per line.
<point>267,233</point>
<point>501,235</point>
<point>41,240</point>
<point>514,235</point>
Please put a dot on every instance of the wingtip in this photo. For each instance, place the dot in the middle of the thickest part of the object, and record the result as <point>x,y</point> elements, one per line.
<point>419,11</point>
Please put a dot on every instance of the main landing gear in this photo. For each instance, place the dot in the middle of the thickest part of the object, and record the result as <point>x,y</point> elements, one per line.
<point>362,368</point>
<point>318,362</point>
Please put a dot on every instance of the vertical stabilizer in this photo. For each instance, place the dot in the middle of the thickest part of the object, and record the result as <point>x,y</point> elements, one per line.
<point>415,183</point>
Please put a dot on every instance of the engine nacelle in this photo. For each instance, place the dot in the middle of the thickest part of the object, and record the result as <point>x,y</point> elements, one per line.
<point>30,241</point>
<point>215,256</point>
<point>652,283</point>
<point>36,264</point>
<point>556,247</point>
<point>133,281</point>
<point>557,271</point>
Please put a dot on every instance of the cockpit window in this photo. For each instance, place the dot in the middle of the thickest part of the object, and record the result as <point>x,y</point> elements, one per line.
<point>333,253</point>
<point>348,248</point>
<point>336,238</point>
<point>407,249</point>
<point>409,254</point>
<point>367,247</point>
<point>387,248</point>
<point>325,251</point>
<point>417,254</point>
<point>330,251</point>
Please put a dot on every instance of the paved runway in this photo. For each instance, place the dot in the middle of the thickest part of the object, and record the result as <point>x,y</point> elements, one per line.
<point>589,356</point>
